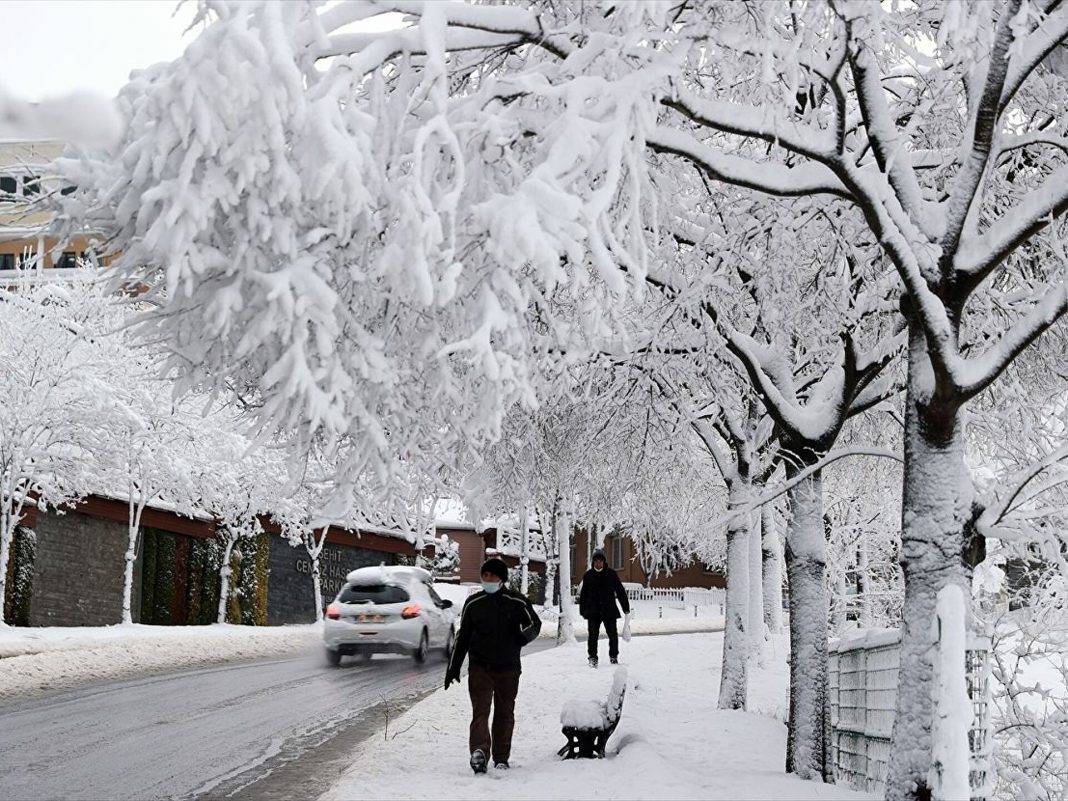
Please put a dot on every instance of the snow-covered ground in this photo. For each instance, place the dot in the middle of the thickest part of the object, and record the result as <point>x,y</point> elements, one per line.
<point>672,742</point>
<point>666,625</point>
<point>36,660</point>
<point>39,660</point>
<point>651,617</point>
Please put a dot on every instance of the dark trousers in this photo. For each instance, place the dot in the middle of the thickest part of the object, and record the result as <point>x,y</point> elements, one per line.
<point>498,687</point>
<point>594,625</point>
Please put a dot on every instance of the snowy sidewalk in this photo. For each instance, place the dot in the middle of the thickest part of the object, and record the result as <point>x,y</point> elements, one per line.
<point>39,660</point>
<point>672,742</point>
<point>642,626</point>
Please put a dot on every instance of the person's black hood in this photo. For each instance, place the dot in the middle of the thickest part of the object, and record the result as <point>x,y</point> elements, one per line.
<point>495,566</point>
<point>599,552</point>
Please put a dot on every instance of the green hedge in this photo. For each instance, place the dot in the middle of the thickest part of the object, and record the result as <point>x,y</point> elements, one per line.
<point>200,580</point>
<point>20,569</point>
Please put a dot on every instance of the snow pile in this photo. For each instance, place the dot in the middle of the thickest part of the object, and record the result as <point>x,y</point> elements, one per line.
<point>39,660</point>
<point>593,713</point>
<point>370,576</point>
<point>953,708</point>
<point>672,742</point>
<point>584,714</point>
<point>617,693</point>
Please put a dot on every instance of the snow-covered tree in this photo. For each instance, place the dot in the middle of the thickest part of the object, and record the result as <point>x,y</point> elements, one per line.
<point>150,458</point>
<point>55,411</point>
<point>1030,674</point>
<point>482,160</point>
<point>237,481</point>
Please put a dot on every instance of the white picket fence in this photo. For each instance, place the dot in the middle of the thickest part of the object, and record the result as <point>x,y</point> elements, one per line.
<point>678,598</point>
<point>862,694</point>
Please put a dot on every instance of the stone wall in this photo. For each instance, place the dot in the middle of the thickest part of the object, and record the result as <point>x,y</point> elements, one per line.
<point>290,597</point>
<point>78,571</point>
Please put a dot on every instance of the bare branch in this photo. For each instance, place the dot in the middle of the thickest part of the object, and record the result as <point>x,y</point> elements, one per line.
<point>965,184</point>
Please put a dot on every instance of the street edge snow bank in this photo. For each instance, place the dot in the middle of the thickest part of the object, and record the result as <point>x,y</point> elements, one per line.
<point>117,652</point>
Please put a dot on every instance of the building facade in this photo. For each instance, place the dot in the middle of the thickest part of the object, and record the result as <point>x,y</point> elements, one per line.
<point>67,569</point>
<point>24,184</point>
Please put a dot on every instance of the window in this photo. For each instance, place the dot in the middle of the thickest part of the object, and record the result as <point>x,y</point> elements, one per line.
<point>67,260</point>
<point>373,594</point>
<point>24,185</point>
<point>433,595</point>
<point>7,261</point>
<point>616,551</point>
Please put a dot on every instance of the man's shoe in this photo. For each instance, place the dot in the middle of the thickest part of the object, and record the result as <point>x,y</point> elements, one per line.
<point>593,661</point>
<point>501,765</point>
<point>614,660</point>
<point>478,761</point>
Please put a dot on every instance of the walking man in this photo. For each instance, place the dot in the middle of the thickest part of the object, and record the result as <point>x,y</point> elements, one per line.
<point>494,626</point>
<point>597,603</point>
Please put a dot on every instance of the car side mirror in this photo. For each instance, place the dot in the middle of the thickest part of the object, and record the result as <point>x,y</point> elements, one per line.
<point>446,604</point>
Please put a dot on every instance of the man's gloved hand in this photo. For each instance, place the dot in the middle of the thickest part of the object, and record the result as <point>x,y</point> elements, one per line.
<point>449,679</point>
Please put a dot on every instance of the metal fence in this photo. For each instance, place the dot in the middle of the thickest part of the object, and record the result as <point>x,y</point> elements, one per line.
<point>862,695</point>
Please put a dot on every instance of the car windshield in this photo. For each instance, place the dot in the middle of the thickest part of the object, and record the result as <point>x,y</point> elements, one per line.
<point>373,594</point>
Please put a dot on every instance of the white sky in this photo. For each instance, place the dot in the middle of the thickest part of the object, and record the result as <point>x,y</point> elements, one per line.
<point>53,47</point>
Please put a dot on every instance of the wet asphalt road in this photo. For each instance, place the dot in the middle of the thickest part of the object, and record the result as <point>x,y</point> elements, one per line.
<point>280,728</point>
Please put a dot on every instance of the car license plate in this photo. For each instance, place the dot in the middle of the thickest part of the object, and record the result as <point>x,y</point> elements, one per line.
<point>369,617</point>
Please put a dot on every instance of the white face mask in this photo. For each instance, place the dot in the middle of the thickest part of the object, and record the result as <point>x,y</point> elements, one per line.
<point>491,586</point>
<point>598,569</point>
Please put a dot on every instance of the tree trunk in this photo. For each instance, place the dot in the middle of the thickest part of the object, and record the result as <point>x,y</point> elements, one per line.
<point>524,551</point>
<point>733,683</point>
<point>224,581</point>
<point>7,532</point>
<point>806,565</point>
<point>936,514</point>
<point>133,530</point>
<point>866,619</point>
<point>550,582</point>
<point>317,587</point>
<point>548,545</point>
<point>841,611</point>
<point>755,620</point>
<point>565,630</point>
<point>771,571</point>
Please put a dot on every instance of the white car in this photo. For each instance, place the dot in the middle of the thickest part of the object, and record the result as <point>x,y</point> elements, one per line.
<point>458,594</point>
<point>388,610</point>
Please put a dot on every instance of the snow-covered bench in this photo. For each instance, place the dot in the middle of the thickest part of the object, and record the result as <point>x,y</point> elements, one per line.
<point>588,724</point>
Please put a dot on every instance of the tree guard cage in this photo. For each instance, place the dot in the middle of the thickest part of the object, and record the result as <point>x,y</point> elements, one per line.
<point>861,698</point>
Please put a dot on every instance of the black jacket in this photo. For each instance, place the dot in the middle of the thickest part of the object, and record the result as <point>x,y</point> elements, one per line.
<point>597,598</point>
<point>494,627</point>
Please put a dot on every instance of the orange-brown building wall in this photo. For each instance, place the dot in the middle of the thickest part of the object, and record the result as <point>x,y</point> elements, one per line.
<point>17,247</point>
<point>472,551</point>
<point>693,575</point>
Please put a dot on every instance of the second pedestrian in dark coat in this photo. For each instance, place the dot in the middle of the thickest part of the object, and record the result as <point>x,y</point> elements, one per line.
<point>601,588</point>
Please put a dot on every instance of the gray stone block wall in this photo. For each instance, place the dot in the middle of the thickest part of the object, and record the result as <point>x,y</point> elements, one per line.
<point>290,597</point>
<point>78,571</point>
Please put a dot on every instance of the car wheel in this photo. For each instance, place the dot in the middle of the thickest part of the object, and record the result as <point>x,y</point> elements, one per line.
<point>424,647</point>
<point>449,646</point>
<point>333,658</point>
